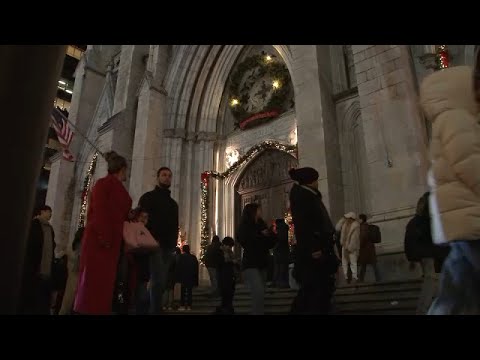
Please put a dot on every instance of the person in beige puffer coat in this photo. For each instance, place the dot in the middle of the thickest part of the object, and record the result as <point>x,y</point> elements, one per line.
<point>349,229</point>
<point>448,100</point>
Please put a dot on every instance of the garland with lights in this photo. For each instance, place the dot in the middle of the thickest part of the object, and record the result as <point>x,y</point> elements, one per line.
<point>442,57</point>
<point>289,221</point>
<point>277,104</point>
<point>87,182</point>
<point>204,204</point>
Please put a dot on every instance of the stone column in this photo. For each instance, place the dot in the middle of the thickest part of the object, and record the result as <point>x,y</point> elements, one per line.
<point>318,145</point>
<point>133,60</point>
<point>148,140</point>
<point>28,83</point>
<point>89,81</point>
<point>395,137</point>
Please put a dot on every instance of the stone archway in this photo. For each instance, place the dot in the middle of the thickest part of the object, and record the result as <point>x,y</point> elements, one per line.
<point>265,180</point>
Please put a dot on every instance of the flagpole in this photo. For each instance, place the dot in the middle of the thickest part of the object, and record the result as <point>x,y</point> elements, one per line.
<point>78,132</point>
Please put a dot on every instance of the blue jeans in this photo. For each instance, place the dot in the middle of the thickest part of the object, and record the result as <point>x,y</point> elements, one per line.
<point>255,280</point>
<point>460,281</point>
<point>160,262</point>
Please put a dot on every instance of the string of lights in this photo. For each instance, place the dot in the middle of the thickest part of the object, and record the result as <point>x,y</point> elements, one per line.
<point>86,189</point>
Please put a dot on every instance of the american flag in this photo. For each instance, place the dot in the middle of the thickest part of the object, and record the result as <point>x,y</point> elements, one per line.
<point>64,132</point>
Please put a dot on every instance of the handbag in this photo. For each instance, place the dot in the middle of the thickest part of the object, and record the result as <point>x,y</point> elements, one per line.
<point>137,236</point>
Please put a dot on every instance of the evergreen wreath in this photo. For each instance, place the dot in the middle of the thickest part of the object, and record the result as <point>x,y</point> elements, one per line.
<point>277,104</point>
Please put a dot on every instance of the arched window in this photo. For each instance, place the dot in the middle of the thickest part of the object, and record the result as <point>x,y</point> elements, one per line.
<point>349,66</point>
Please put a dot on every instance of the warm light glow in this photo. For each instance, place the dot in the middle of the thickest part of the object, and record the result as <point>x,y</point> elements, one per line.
<point>276,84</point>
<point>234,102</point>
<point>61,82</point>
<point>231,156</point>
<point>268,58</point>
<point>69,91</point>
<point>293,137</point>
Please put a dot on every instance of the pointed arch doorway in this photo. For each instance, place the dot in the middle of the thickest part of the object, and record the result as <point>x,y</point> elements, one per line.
<point>265,181</point>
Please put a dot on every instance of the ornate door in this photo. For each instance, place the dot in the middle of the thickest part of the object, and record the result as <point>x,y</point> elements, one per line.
<point>266,181</point>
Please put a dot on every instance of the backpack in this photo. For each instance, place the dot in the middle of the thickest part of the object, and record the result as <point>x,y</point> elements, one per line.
<point>374,234</point>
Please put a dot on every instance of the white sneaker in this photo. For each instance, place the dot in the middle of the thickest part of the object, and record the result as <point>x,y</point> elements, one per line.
<point>181,308</point>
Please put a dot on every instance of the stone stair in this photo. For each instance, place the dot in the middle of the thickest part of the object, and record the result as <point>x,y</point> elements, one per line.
<point>383,298</point>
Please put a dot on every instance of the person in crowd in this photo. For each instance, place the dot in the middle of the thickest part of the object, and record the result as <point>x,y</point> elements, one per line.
<point>281,253</point>
<point>256,240</point>
<point>108,208</point>
<point>73,269</point>
<point>186,273</point>
<point>226,276</point>
<point>420,249</point>
<point>449,99</point>
<point>349,229</point>
<point>367,254</point>
<point>315,260</point>
<point>418,244</point>
<point>139,269</point>
<point>213,255</point>
<point>37,287</point>
<point>163,225</point>
<point>169,300</point>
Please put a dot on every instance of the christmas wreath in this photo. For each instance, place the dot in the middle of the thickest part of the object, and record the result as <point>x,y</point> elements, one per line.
<point>274,96</point>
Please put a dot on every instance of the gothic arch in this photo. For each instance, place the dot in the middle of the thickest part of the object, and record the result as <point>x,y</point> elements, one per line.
<point>353,159</point>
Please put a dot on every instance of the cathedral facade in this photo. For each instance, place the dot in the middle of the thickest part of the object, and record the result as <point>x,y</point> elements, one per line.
<point>230,120</point>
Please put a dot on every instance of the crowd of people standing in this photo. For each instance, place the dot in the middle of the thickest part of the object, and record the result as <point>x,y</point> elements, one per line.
<point>113,270</point>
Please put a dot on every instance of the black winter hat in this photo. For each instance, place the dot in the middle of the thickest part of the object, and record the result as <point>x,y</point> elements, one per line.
<point>305,175</point>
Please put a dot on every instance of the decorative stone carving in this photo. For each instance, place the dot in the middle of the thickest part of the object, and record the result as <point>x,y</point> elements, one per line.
<point>270,169</point>
<point>266,182</point>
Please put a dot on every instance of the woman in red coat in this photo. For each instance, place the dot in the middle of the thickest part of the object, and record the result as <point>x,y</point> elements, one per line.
<point>102,240</point>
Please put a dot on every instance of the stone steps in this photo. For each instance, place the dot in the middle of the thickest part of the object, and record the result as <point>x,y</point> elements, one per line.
<point>385,298</point>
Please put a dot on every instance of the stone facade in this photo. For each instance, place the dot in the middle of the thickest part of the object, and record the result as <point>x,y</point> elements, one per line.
<point>355,118</point>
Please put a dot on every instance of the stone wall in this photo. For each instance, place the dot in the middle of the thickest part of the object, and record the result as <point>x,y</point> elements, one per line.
<point>279,129</point>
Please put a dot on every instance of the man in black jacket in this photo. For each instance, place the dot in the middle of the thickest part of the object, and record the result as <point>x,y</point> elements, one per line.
<point>315,260</point>
<point>38,265</point>
<point>163,224</point>
<point>213,255</point>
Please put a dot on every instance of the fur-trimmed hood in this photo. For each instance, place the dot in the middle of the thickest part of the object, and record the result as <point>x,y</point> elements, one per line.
<point>350,234</point>
<point>350,215</point>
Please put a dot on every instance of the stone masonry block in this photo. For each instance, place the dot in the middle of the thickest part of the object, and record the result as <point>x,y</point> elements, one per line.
<point>359,57</point>
<point>401,90</point>
<point>388,93</point>
<point>361,78</point>
<point>371,52</point>
<point>381,48</point>
<point>398,63</point>
<point>392,78</point>
<point>371,74</point>
<point>389,55</point>
<point>358,48</point>
<point>388,67</point>
<point>370,99</point>
<point>369,87</point>
<point>364,65</point>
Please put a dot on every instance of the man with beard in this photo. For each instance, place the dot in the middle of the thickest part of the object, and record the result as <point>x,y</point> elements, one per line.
<point>163,225</point>
<point>315,261</point>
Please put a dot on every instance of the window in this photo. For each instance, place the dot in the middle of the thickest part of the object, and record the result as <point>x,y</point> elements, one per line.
<point>74,52</point>
<point>61,104</point>
<point>349,66</point>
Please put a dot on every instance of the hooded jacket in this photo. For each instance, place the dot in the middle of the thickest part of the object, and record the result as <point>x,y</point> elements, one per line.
<point>349,229</point>
<point>447,98</point>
